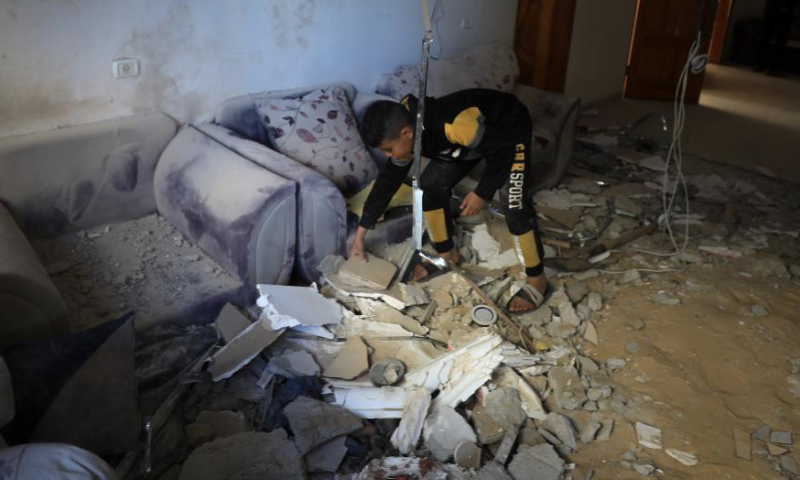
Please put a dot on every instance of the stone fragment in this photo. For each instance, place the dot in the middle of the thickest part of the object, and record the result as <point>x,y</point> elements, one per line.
<point>781,438</point>
<point>507,445</point>
<point>328,456</point>
<point>644,468</point>
<point>576,291</point>
<point>314,422</point>
<point>789,464</point>
<point>606,431</point>
<point>591,334</point>
<point>444,430</point>
<point>562,427</point>
<point>587,365</point>
<point>561,330</point>
<point>596,393</point>
<point>413,295</point>
<point>293,363</point>
<point>568,314</point>
<point>615,363</point>
<point>759,311</point>
<point>632,347</point>
<point>648,436</point>
<point>741,441</point>
<point>685,458</point>
<point>468,455</point>
<point>350,362</point>
<point>536,463</point>
<point>493,471</point>
<point>775,450</point>
<point>630,276</point>
<point>589,432</point>
<point>567,387</point>
<point>664,299</point>
<point>224,423</point>
<point>415,410</point>
<point>502,408</point>
<point>762,433</point>
<point>376,273</point>
<point>272,454</point>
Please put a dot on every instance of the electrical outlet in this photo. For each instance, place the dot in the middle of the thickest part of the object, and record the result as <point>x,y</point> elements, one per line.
<point>466,23</point>
<point>125,67</point>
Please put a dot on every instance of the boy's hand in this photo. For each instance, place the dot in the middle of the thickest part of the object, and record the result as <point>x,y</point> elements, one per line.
<point>472,204</point>
<point>357,249</point>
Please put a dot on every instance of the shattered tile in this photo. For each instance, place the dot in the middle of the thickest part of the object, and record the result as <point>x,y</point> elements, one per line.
<point>781,438</point>
<point>380,312</point>
<point>561,426</point>
<point>567,387</point>
<point>242,349</point>
<point>589,432</point>
<point>314,422</point>
<point>293,363</point>
<point>685,458</point>
<point>287,306</point>
<point>536,463</point>
<point>230,322</point>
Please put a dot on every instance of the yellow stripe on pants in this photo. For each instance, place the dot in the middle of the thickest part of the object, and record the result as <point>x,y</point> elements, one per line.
<point>526,249</point>
<point>437,225</point>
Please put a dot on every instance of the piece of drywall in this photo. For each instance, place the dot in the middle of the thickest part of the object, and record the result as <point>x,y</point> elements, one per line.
<point>56,56</point>
<point>601,35</point>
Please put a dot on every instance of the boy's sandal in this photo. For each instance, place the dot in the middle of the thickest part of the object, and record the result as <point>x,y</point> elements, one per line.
<point>530,294</point>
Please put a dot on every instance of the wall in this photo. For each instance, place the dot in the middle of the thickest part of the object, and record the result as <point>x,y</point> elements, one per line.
<point>601,35</point>
<point>55,55</point>
<point>741,9</point>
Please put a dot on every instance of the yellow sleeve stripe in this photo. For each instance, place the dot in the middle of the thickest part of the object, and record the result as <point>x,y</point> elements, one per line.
<point>466,129</point>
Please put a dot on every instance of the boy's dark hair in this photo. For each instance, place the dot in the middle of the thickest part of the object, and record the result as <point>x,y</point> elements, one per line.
<point>384,120</point>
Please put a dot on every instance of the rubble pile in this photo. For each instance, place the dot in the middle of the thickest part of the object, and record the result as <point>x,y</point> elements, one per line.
<point>366,377</point>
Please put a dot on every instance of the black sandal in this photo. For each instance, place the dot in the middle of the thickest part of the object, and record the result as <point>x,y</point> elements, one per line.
<point>530,294</point>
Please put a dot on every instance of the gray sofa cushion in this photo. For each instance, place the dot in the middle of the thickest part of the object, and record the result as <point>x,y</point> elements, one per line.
<point>321,212</point>
<point>81,177</point>
<point>30,306</point>
<point>241,214</point>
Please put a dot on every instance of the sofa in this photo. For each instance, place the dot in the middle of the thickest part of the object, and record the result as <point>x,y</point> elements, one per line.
<point>68,180</point>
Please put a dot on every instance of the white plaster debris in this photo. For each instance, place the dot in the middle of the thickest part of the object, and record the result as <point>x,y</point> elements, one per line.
<point>415,410</point>
<point>648,436</point>
<point>287,306</point>
<point>685,458</point>
<point>483,241</point>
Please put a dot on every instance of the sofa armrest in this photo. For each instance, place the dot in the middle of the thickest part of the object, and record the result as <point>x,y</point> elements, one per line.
<point>30,306</point>
<point>321,209</point>
<point>241,214</point>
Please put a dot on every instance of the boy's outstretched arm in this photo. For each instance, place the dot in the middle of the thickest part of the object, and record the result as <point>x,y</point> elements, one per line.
<point>386,185</point>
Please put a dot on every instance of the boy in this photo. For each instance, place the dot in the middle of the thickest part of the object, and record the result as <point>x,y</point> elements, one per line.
<point>460,129</point>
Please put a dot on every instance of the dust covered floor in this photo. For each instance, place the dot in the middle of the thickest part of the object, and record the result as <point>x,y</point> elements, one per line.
<point>143,265</point>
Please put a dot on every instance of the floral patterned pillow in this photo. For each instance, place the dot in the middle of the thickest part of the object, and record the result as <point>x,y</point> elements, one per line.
<point>489,66</point>
<point>320,131</point>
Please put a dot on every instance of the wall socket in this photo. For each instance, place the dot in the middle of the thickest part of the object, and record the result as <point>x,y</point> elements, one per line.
<point>125,67</point>
<point>466,23</point>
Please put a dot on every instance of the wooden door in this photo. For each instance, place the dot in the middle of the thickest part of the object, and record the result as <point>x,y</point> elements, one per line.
<point>542,39</point>
<point>663,34</point>
<point>721,24</point>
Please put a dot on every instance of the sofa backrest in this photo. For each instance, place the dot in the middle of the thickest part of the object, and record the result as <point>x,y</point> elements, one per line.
<point>81,177</point>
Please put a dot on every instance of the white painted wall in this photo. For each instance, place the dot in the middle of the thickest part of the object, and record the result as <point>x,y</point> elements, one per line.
<point>55,55</point>
<point>601,35</point>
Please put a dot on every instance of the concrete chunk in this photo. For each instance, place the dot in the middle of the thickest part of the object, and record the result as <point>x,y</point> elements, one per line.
<point>781,438</point>
<point>292,363</point>
<point>567,387</point>
<point>648,436</point>
<point>314,422</point>
<point>415,410</point>
<point>562,427</point>
<point>376,273</point>
<point>536,463</point>
<point>444,430</point>
<point>328,456</point>
<point>351,361</point>
<point>741,442</point>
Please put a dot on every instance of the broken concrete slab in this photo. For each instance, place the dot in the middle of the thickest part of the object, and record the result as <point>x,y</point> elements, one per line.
<point>567,387</point>
<point>328,456</point>
<point>506,446</point>
<point>648,436</point>
<point>380,312</point>
<point>227,457</point>
<point>293,363</point>
<point>314,422</point>
<point>351,362</point>
<point>589,432</point>
<point>242,349</point>
<point>775,450</point>
<point>789,464</point>
<point>230,322</point>
<point>224,423</point>
<point>741,444</point>
<point>413,295</point>
<point>576,291</point>
<point>375,273</point>
<point>531,403</point>
<point>287,306</point>
<point>444,430</point>
<point>501,409</point>
<point>415,411</point>
<point>561,426</point>
<point>536,463</point>
<point>606,431</point>
<point>762,433</point>
<point>685,458</point>
<point>781,438</point>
